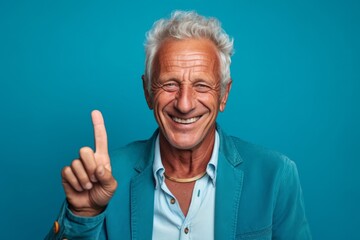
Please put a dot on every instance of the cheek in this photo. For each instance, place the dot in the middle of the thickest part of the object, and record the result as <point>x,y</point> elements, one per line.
<point>162,98</point>
<point>210,99</point>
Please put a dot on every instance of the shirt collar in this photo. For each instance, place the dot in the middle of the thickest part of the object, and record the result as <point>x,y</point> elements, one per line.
<point>158,167</point>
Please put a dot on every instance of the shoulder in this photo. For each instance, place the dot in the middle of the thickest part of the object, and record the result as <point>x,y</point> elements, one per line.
<point>270,182</point>
<point>256,160</point>
<point>258,154</point>
<point>265,171</point>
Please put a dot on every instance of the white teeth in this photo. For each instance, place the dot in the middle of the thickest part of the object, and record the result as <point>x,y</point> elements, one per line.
<point>185,121</point>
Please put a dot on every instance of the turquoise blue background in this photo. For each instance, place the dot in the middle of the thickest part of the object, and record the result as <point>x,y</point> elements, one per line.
<point>296,83</point>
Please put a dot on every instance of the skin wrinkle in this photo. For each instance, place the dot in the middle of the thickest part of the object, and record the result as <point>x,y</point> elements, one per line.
<point>183,162</point>
<point>197,59</point>
<point>186,148</point>
<point>195,62</point>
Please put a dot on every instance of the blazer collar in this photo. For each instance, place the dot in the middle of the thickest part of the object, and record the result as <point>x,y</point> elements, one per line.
<point>148,157</point>
<point>229,148</point>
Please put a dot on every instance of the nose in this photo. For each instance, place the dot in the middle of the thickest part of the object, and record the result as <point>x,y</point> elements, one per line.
<point>185,99</point>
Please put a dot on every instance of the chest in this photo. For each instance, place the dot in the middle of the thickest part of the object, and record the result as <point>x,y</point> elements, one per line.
<point>183,193</point>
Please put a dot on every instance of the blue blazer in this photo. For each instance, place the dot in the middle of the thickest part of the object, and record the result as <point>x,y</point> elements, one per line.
<point>258,194</point>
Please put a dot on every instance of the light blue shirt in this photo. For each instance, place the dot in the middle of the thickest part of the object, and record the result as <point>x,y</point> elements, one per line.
<point>169,220</point>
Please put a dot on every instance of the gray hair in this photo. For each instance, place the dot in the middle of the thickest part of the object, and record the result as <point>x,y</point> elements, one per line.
<point>184,25</point>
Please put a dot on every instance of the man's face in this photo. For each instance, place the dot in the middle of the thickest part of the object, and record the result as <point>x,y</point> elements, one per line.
<point>186,91</point>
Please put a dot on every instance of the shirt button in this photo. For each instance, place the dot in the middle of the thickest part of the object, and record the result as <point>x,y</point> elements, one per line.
<point>186,230</point>
<point>172,200</point>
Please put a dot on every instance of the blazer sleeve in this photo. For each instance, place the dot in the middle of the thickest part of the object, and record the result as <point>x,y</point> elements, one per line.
<point>70,226</point>
<point>289,220</point>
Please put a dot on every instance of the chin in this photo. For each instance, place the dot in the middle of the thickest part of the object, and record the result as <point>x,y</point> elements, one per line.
<point>186,143</point>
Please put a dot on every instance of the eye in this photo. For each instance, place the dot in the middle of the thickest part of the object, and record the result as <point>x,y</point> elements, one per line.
<point>201,87</point>
<point>171,86</point>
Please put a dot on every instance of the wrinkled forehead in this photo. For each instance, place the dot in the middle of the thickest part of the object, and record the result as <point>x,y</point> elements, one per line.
<point>199,55</point>
<point>196,61</point>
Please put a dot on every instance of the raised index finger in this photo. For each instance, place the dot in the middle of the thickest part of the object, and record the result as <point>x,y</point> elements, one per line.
<point>101,143</point>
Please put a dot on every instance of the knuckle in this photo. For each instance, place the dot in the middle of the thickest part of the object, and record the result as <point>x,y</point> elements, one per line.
<point>85,150</point>
<point>75,164</point>
<point>65,171</point>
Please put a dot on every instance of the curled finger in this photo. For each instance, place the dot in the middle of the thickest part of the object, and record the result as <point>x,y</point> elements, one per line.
<point>70,179</point>
<point>87,158</point>
<point>79,171</point>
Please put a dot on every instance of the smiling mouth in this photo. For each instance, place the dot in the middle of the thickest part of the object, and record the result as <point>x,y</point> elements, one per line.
<point>185,121</point>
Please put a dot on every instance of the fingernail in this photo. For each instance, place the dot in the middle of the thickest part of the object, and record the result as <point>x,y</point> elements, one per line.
<point>93,178</point>
<point>88,186</point>
<point>108,167</point>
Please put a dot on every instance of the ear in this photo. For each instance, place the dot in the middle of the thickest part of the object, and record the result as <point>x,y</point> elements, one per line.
<point>224,98</point>
<point>146,93</point>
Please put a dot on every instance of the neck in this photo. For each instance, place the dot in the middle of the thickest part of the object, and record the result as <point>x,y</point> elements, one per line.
<point>186,163</point>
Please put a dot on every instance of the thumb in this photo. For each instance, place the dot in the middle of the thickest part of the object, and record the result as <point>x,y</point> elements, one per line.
<point>106,179</point>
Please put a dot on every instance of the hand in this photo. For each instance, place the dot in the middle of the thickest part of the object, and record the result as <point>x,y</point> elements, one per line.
<point>88,181</point>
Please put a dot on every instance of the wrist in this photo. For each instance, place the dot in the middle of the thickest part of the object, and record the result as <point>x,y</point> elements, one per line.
<point>86,212</point>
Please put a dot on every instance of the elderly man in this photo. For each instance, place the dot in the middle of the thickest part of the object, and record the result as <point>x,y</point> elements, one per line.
<point>189,180</point>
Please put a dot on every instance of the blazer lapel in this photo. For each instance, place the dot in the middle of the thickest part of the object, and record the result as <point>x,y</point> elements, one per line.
<point>142,205</point>
<point>229,182</point>
<point>142,195</point>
